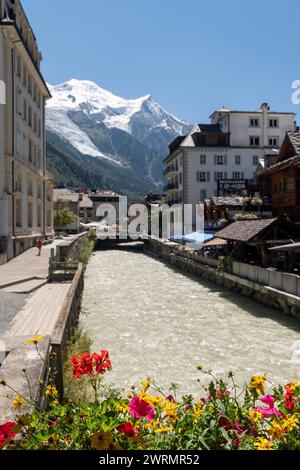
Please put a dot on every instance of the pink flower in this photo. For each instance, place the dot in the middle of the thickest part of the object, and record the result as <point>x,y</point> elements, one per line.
<point>268,400</point>
<point>141,409</point>
<point>271,411</point>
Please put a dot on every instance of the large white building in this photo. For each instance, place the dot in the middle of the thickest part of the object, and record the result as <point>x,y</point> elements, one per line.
<point>229,148</point>
<point>26,199</point>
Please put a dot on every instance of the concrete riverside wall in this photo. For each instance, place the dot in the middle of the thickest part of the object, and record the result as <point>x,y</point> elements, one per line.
<point>285,282</point>
<point>279,295</point>
<point>71,247</point>
<point>65,325</point>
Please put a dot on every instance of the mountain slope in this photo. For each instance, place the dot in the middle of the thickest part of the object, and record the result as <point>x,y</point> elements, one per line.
<point>134,133</point>
<point>70,168</point>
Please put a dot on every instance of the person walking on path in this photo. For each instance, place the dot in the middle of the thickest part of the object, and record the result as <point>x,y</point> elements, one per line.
<point>39,245</point>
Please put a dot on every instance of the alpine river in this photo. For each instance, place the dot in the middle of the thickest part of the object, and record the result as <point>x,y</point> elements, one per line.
<point>161,323</point>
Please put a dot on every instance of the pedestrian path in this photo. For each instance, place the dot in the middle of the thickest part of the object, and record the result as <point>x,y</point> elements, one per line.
<point>26,267</point>
<point>41,311</point>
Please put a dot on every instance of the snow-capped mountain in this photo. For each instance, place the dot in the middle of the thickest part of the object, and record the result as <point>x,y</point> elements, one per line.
<point>131,133</point>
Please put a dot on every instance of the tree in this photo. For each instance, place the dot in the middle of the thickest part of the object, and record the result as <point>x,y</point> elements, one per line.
<point>63,215</point>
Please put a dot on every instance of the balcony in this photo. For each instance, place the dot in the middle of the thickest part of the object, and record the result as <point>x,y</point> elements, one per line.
<point>171,169</point>
<point>172,186</point>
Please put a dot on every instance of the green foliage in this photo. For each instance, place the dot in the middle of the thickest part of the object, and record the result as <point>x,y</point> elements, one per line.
<point>63,215</point>
<point>225,417</point>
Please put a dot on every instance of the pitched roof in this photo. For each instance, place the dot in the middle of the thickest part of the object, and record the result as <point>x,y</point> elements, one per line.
<point>245,230</point>
<point>293,140</point>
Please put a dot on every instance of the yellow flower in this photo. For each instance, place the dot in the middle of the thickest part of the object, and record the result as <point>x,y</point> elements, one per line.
<point>290,423</point>
<point>152,400</point>
<point>54,403</point>
<point>255,416</point>
<point>293,385</point>
<point>198,411</point>
<point>146,384</point>
<point>165,429</point>
<point>35,340</point>
<point>275,431</point>
<point>18,403</point>
<point>171,411</point>
<point>101,441</point>
<point>257,384</point>
<point>51,391</point>
<point>152,425</point>
<point>122,408</point>
<point>263,444</point>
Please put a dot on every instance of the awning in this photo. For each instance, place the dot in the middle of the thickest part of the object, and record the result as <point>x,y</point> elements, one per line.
<point>295,247</point>
<point>215,242</point>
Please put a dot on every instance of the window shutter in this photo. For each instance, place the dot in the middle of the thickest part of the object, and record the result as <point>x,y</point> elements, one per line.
<point>215,159</point>
<point>208,177</point>
<point>242,175</point>
<point>225,175</point>
<point>216,179</point>
<point>225,159</point>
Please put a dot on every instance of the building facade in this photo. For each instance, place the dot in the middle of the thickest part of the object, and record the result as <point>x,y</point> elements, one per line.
<point>280,180</point>
<point>26,192</point>
<point>229,148</point>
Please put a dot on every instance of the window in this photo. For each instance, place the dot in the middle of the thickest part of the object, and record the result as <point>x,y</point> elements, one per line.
<point>30,84</point>
<point>25,110</point>
<point>30,214</point>
<point>254,122</point>
<point>273,123</point>
<point>180,178</point>
<point>237,175</point>
<point>35,123</point>
<point>19,66</point>
<point>24,76</point>
<point>30,116</point>
<point>39,128</point>
<point>273,142</point>
<point>34,93</point>
<point>30,150</point>
<point>19,101</point>
<point>220,159</point>
<point>290,185</point>
<point>203,195</point>
<point>30,188</point>
<point>39,99</point>
<point>255,160</point>
<point>218,175</point>
<point>19,212</point>
<point>254,141</point>
<point>202,176</point>
<point>39,216</point>
<point>202,159</point>
<point>237,159</point>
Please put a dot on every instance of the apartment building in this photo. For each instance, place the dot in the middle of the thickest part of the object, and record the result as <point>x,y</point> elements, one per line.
<point>26,192</point>
<point>229,148</point>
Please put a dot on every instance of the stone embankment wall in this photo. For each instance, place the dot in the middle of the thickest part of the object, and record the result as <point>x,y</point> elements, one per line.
<point>279,297</point>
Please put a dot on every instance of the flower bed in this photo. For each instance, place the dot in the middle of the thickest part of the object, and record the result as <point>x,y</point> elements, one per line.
<point>224,416</point>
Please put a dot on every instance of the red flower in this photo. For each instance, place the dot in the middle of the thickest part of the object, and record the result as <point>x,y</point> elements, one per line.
<point>6,432</point>
<point>171,399</point>
<point>127,429</point>
<point>141,409</point>
<point>289,399</point>
<point>94,365</point>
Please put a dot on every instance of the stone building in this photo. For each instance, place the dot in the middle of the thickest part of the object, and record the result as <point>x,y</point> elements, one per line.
<point>26,192</point>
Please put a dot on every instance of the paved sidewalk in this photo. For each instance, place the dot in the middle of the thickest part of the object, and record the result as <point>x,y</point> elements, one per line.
<point>10,305</point>
<point>26,266</point>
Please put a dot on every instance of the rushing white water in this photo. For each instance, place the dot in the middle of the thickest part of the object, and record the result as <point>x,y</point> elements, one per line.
<point>159,322</point>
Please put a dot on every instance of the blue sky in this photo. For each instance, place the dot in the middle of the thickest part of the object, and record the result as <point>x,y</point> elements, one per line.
<point>192,56</point>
